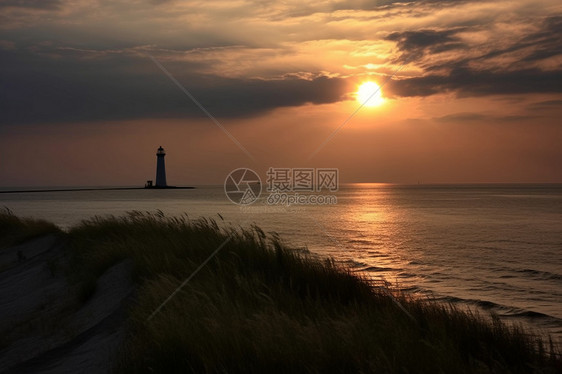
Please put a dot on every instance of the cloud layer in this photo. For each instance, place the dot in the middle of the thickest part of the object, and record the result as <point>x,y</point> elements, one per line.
<point>75,61</point>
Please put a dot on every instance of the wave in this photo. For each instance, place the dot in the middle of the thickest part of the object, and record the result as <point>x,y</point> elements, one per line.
<point>546,275</point>
<point>378,269</point>
<point>355,265</point>
<point>360,241</point>
<point>527,314</point>
<point>404,274</point>
<point>502,310</point>
<point>414,290</point>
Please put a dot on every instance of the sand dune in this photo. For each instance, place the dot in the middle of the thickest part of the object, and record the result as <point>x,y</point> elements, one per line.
<point>43,326</point>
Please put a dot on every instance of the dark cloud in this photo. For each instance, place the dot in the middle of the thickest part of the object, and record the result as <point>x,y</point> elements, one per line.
<point>542,44</point>
<point>304,9</point>
<point>36,88</point>
<point>545,105</point>
<point>467,82</point>
<point>471,117</point>
<point>414,45</point>
<point>462,117</point>
<point>113,86</point>
<point>33,4</point>
<point>547,42</point>
<point>459,75</point>
<point>411,40</point>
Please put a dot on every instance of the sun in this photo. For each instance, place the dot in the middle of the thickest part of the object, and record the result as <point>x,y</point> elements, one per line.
<point>369,94</point>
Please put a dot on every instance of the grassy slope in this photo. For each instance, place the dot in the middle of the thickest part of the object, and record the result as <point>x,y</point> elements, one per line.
<point>259,306</point>
<point>15,230</point>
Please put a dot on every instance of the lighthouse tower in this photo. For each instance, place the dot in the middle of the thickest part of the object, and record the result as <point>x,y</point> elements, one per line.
<point>160,168</point>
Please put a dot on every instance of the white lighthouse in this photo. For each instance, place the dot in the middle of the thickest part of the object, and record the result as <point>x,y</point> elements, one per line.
<point>160,168</point>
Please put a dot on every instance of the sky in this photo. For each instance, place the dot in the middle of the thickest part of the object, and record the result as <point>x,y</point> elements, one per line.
<point>472,90</point>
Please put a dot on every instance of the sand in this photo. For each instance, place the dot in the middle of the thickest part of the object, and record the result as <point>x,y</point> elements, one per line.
<point>43,326</point>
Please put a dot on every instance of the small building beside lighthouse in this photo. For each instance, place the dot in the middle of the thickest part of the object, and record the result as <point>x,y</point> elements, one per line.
<point>160,168</point>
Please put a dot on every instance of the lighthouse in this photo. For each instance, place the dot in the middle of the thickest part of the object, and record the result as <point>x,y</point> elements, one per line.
<point>160,168</point>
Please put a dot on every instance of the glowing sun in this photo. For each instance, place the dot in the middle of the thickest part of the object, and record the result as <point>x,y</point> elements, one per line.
<point>369,94</point>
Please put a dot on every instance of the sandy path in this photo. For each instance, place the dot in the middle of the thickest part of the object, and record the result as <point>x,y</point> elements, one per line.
<point>43,328</point>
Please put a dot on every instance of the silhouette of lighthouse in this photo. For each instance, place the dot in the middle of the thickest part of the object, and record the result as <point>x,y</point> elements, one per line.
<point>160,168</point>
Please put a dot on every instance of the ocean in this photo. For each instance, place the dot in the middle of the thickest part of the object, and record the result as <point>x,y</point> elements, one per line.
<point>492,248</point>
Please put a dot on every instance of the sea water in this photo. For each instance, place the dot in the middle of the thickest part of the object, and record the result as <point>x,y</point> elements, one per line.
<point>492,248</point>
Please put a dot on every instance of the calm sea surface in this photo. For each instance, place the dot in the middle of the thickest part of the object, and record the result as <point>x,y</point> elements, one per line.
<point>495,248</point>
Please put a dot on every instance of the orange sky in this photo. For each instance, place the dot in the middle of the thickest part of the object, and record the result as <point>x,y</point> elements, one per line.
<point>472,90</point>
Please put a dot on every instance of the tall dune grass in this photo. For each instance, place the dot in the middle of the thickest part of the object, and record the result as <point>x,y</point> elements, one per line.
<point>15,230</point>
<point>259,306</point>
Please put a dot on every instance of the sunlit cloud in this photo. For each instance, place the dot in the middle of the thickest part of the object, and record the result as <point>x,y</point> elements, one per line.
<point>63,55</point>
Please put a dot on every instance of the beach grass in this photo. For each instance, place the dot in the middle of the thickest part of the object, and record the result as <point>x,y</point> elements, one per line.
<point>15,230</point>
<point>258,305</point>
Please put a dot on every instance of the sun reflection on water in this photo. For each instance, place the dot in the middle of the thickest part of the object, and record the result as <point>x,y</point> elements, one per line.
<point>371,233</point>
